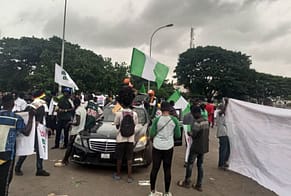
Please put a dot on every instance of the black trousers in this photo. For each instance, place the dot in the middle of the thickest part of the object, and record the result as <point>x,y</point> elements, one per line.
<point>159,156</point>
<point>6,173</point>
<point>69,149</point>
<point>62,124</point>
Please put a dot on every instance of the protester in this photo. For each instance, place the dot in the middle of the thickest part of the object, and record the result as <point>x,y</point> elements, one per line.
<point>204,112</point>
<point>152,104</point>
<point>19,103</point>
<point>52,115</point>
<point>78,124</point>
<point>210,110</point>
<point>11,124</point>
<point>40,106</point>
<point>224,146</point>
<point>163,131</point>
<point>93,112</point>
<point>124,147</point>
<point>187,121</point>
<point>173,111</point>
<point>64,116</point>
<point>200,146</point>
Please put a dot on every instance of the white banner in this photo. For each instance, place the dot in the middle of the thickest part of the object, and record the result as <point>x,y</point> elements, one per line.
<point>260,139</point>
<point>63,78</point>
<point>42,141</point>
<point>25,144</point>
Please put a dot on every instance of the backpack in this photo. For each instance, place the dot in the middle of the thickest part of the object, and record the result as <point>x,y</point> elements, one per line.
<point>127,124</point>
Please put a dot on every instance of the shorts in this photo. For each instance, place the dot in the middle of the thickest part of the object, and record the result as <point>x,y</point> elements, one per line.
<point>124,149</point>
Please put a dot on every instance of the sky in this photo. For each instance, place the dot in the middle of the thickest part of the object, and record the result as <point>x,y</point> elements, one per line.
<point>258,28</point>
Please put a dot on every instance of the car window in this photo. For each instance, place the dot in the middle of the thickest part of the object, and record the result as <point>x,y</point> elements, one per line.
<point>109,115</point>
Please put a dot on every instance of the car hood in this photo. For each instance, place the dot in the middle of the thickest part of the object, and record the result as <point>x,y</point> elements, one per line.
<point>108,130</point>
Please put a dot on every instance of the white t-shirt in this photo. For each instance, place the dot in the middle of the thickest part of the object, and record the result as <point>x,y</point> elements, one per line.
<point>81,111</point>
<point>117,121</point>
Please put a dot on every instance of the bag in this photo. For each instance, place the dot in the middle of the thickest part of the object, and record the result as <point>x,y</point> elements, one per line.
<point>127,124</point>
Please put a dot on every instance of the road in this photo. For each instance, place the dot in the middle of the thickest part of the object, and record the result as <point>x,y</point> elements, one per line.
<point>76,180</point>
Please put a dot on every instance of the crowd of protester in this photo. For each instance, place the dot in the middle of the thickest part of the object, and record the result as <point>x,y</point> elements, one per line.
<point>69,113</point>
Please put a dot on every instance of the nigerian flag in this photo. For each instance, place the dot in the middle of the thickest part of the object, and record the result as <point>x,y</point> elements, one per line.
<point>145,67</point>
<point>180,102</point>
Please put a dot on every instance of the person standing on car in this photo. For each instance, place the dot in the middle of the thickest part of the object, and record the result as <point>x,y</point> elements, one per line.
<point>163,131</point>
<point>78,124</point>
<point>124,147</point>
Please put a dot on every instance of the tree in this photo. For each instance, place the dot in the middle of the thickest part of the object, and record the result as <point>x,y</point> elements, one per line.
<point>213,71</point>
<point>28,63</point>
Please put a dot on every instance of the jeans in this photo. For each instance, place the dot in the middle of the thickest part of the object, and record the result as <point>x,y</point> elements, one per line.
<point>159,156</point>
<point>62,124</point>
<point>191,159</point>
<point>6,173</point>
<point>224,150</point>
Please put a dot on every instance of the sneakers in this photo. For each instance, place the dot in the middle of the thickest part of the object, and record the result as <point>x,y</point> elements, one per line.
<point>42,173</point>
<point>130,180</point>
<point>197,187</point>
<point>18,173</point>
<point>116,177</point>
<point>168,194</point>
<point>152,194</point>
<point>60,164</point>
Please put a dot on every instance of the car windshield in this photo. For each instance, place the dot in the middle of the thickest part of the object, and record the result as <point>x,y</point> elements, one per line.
<point>109,115</point>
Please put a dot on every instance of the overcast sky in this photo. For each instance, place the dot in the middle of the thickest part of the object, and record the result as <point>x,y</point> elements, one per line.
<point>258,28</point>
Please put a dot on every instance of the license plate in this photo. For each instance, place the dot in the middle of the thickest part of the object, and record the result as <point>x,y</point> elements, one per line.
<point>105,156</point>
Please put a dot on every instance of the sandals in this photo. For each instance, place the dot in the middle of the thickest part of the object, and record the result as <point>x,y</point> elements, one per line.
<point>184,184</point>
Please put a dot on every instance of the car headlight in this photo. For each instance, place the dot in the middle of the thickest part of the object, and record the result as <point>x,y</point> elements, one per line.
<point>142,141</point>
<point>78,140</point>
<point>85,143</point>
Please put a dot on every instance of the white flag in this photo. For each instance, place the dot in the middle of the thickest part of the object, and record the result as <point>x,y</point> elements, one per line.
<point>63,78</point>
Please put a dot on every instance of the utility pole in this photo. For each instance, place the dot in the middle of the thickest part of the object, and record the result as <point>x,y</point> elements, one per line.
<point>192,34</point>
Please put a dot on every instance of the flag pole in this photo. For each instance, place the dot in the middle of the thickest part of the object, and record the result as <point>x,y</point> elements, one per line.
<point>63,41</point>
<point>151,40</point>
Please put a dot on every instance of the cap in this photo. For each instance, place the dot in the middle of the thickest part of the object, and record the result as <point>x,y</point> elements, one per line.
<point>67,89</point>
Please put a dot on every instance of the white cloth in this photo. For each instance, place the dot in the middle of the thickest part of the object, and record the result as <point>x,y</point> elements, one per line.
<point>260,140</point>
<point>25,144</point>
<point>80,111</point>
<point>19,105</point>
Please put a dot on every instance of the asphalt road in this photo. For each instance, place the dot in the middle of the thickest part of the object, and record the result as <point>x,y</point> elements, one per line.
<point>76,180</point>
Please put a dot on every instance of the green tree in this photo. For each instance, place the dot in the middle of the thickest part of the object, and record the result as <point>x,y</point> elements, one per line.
<point>213,71</point>
<point>28,63</point>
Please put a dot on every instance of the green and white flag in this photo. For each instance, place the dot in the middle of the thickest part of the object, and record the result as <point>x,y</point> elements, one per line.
<point>63,78</point>
<point>145,67</point>
<point>180,102</point>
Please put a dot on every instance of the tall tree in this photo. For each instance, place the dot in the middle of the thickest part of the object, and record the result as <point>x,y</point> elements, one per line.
<point>213,71</point>
<point>26,63</point>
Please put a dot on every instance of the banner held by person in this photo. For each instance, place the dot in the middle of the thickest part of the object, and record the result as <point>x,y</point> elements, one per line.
<point>42,141</point>
<point>180,102</point>
<point>63,78</point>
<point>146,67</point>
<point>25,144</point>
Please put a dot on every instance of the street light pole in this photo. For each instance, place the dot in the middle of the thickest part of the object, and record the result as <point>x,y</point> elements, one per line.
<point>151,40</point>
<point>63,41</point>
